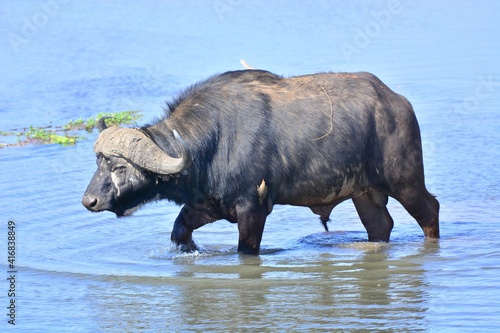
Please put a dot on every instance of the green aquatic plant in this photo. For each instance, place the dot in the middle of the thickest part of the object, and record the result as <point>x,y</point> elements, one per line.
<point>42,135</point>
<point>68,134</point>
<point>74,124</point>
<point>125,117</point>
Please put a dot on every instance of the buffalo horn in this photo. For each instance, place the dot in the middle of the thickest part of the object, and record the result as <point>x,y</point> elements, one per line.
<point>135,146</point>
<point>101,124</point>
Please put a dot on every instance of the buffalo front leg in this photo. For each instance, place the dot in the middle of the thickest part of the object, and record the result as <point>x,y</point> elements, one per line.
<point>372,210</point>
<point>251,221</point>
<point>189,219</point>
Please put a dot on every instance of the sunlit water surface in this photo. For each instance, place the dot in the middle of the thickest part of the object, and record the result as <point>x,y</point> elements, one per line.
<point>86,272</point>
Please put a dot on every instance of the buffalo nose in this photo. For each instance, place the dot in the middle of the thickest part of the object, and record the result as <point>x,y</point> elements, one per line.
<point>89,202</point>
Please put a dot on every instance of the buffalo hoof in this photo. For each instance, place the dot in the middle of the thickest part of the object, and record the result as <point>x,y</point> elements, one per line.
<point>187,247</point>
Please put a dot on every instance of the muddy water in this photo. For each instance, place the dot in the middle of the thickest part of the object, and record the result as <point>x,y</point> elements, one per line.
<point>78,271</point>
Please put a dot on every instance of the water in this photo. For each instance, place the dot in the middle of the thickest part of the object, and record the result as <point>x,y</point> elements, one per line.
<point>83,272</point>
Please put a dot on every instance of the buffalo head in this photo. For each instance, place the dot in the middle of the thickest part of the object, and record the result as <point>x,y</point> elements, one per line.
<point>129,165</point>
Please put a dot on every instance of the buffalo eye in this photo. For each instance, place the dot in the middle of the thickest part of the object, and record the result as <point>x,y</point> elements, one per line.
<point>118,168</point>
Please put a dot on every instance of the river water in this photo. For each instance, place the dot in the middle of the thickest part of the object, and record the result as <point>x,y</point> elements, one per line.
<point>83,272</point>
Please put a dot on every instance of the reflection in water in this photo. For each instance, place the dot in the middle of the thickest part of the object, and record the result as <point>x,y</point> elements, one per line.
<point>364,288</point>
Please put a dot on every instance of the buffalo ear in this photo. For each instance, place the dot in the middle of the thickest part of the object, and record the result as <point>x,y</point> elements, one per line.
<point>101,124</point>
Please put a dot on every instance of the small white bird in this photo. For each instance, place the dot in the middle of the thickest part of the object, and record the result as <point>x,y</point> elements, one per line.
<point>262,191</point>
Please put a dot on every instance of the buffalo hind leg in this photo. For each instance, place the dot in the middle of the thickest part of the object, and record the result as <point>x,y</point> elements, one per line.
<point>251,221</point>
<point>188,220</point>
<point>424,208</point>
<point>372,211</point>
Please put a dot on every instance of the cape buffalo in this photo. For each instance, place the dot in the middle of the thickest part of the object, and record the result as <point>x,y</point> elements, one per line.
<point>240,142</point>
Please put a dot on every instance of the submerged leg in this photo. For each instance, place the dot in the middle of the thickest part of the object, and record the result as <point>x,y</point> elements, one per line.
<point>251,221</point>
<point>372,210</point>
<point>188,220</point>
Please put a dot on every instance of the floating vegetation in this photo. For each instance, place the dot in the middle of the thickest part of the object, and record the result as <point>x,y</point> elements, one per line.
<point>68,134</point>
<point>126,117</point>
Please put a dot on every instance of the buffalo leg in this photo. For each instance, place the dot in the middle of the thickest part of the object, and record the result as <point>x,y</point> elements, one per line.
<point>424,208</point>
<point>372,210</point>
<point>188,220</point>
<point>251,221</point>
